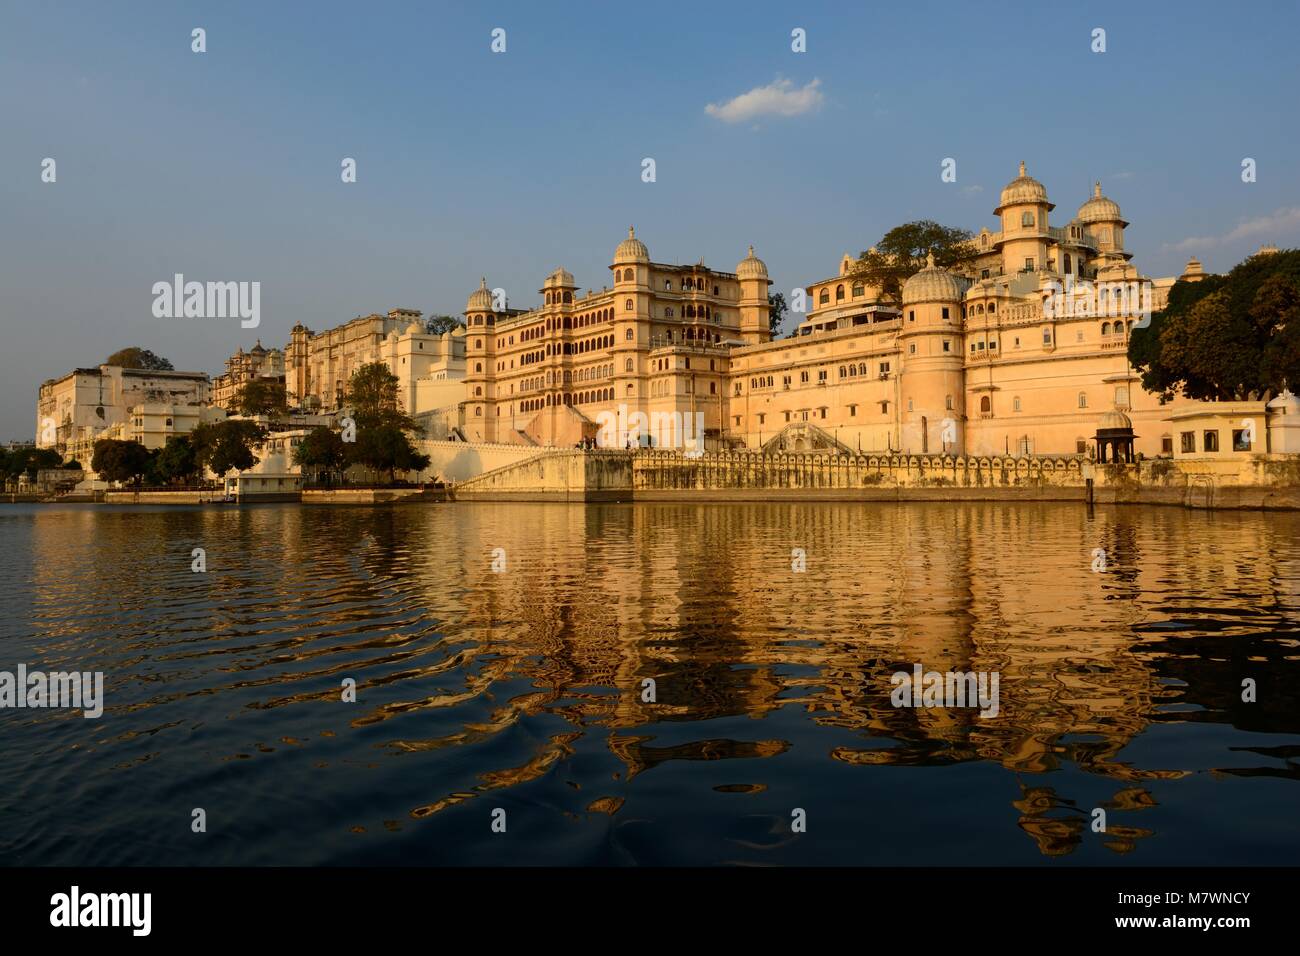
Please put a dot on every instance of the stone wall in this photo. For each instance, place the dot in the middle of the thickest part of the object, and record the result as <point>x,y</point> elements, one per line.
<point>458,460</point>
<point>574,475</point>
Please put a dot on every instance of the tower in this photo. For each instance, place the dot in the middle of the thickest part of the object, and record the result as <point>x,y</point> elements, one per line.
<point>1025,237</point>
<point>932,411</point>
<point>754,325</point>
<point>480,353</point>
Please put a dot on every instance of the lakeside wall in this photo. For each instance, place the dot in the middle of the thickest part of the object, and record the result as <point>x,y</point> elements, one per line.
<point>1260,482</point>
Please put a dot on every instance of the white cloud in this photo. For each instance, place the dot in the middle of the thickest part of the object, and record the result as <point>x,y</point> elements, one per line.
<point>778,98</point>
<point>1276,225</point>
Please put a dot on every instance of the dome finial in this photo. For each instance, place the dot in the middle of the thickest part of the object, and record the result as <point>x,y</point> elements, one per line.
<point>631,232</point>
<point>1096,190</point>
<point>1022,167</point>
<point>751,250</point>
<point>929,259</point>
<point>482,282</point>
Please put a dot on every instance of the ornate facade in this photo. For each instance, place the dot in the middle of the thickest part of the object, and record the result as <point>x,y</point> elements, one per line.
<point>997,356</point>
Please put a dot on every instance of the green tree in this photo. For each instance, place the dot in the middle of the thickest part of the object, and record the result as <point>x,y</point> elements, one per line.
<point>72,465</point>
<point>322,449</point>
<point>122,461</point>
<point>262,396</point>
<point>136,357</point>
<point>228,445</point>
<point>776,311</point>
<point>385,448</point>
<point>1226,337</point>
<point>176,461</point>
<point>902,251</point>
<point>372,394</point>
<point>442,324</point>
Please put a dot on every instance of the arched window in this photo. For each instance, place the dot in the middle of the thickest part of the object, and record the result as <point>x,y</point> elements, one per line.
<point>1105,328</point>
<point>1083,399</point>
<point>825,297</point>
<point>568,297</point>
<point>839,293</point>
<point>478,366</point>
<point>668,312</point>
<point>628,336</point>
<point>478,390</point>
<point>627,304</point>
<point>993,307</point>
<point>858,290</point>
<point>986,404</point>
<point>1027,219</point>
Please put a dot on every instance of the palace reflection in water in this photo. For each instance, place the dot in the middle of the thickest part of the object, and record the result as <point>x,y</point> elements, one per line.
<point>524,689</point>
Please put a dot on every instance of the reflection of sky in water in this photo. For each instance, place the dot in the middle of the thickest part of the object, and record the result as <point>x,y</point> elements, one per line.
<point>523,690</point>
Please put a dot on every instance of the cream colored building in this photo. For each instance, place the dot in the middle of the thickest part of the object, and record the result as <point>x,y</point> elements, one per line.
<point>1022,350</point>
<point>244,367</point>
<point>430,368</point>
<point>87,404</point>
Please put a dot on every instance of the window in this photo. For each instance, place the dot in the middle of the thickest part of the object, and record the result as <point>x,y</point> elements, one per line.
<point>1121,396</point>
<point>909,405</point>
<point>945,313</point>
<point>853,411</point>
<point>986,405</point>
<point>821,375</point>
<point>1083,399</point>
<point>1029,264</point>
<point>911,315</point>
<point>1047,336</point>
<point>1187,442</point>
<point>803,377</point>
<point>627,304</point>
<point>762,417</point>
<point>1211,440</point>
<point>839,293</point>
<point>984,273</point>
<point>1166,445</point>
<point>1015,404</point>
<point>911,349</point>
<point>884,408</point>
<point>884,369</point>
<point>948,403</point>
<point>858,290</point>
<point>824,298</point>
<point>947,346</point>
<point>1027,219</point>
<point>1240,439</point>
<point>628,335</point>
<point>627,365</point>
<point>1081,446</point>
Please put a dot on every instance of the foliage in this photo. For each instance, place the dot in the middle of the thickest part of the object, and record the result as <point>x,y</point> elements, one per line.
<point>227,445</point>
<point>902,251</point>
<point>176,461</point>
<point>262,396</point>
<point>372,395</point>
<point>385,448</point>
<point>136,357</point>
<point>442,324</point>
<point>776,311</point>
<point>322,448</point>
<point>1226,337</point>
<point>27,458</point>
<point>124,461</point>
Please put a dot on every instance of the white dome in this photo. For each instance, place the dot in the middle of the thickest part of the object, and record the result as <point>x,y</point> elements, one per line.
<point>1115,419</point>
<point>480,300</point>
<point>631,249</point>
<point>561,278</point>
<point>751,267</point>
<point>1099,209</point>
<point>1021,190</point>
<point>933,284</point>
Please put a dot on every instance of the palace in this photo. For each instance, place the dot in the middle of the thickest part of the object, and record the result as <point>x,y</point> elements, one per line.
<point>972,361</point>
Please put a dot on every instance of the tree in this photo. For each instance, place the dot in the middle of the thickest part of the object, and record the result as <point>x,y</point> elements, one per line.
<point>29,459</point>
<point>901,253</point>
<point>776,310</point>
<point>322,449</point>
<point>1226,337</point>
<point>72,465</point>
<point>123,461</point>
<point>385,448</point>
<point>372,393</point>
<point>262,396</point>
<point>442,324</point>
<point>136,357</point>
<point>223,446</point>
<point>176,461</point>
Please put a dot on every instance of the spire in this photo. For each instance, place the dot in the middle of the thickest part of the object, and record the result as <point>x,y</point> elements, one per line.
<point>751,250</point>
<point>929,256</point>
<point>1097,190</point>
<point>631,233</point>
<point>1022,167</point>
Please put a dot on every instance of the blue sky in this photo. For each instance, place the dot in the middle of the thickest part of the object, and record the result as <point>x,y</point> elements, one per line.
<point>226,165</point>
